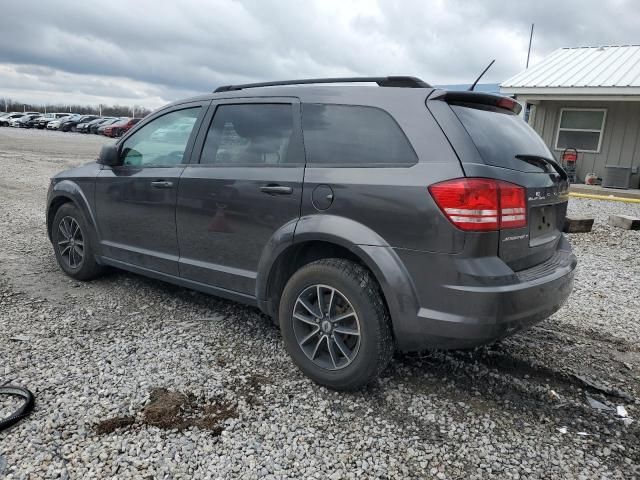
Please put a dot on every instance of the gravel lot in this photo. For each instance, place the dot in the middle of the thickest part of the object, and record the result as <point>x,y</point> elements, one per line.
<point>138,379</point>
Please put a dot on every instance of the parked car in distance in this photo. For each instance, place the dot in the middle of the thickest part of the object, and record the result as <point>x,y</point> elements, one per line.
<point>6,114</point>
<point>86,126</point>
<point>7,119</point>
<point>95,124</point>
<point>23,121</point>
<point>32,122</point>
<point>69,118</point>
<point>55,124</point>
<point>361,219</point>
<point>118,129</point>
<point>12,121</point>
<point>26,121</point>
<point>44,120</point>
<point>70,124</point>
<point>174,133</point>
<point>99,129</point>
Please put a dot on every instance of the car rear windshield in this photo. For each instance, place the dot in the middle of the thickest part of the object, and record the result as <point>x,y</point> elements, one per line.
<point>500,135</point>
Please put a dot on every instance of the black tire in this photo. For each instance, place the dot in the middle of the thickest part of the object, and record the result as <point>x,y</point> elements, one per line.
<point>357,286</point>
<point>86,267</point>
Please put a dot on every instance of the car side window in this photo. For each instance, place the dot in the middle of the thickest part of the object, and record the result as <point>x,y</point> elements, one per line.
<point>161,142</point>
<point>352,135</point>
<point>250,134</point>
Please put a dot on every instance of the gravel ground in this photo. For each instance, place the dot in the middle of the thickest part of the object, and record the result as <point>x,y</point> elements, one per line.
<point>138,379</point>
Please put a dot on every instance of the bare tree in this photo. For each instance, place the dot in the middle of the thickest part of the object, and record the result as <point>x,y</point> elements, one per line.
<point>11,105</point>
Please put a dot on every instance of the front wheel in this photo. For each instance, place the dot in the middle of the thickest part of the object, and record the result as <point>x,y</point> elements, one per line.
<point>73,244</point>
<point>335,324</point>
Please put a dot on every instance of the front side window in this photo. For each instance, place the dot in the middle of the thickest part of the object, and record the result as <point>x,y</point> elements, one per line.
<point>162,142</point>
<point>353,135</point>
<point>250,134</point>
<point>580,129</point>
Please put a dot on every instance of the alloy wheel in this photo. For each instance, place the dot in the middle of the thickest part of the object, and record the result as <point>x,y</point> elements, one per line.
<point>71,242</point>
<point>326,326</point>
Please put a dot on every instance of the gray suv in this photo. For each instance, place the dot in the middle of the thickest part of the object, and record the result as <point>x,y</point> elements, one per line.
<point>360,218</point>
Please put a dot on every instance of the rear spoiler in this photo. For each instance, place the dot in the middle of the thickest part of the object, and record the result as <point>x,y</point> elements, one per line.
<point>477,98</point>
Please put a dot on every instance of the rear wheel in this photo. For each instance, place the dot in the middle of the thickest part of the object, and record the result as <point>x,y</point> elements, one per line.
<point>73,244</point>
<point>335,324</point>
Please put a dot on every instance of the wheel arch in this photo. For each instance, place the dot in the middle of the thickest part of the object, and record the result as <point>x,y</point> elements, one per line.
<point>64,192</point>
<point>342,238</point>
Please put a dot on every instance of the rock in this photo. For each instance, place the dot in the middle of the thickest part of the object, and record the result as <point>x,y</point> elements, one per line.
<point>578,224</point>
<point>626,222</point>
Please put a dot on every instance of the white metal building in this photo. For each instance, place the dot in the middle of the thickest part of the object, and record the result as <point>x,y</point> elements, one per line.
<point>587,98</point>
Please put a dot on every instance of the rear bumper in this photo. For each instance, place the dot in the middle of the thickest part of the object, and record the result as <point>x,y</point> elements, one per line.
<point>466,313</point>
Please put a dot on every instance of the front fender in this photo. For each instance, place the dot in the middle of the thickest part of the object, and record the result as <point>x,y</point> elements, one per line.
<point>72,191</point>
<point>363,242</point>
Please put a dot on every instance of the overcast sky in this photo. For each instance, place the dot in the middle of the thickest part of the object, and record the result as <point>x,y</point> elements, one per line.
<point>152,52</point>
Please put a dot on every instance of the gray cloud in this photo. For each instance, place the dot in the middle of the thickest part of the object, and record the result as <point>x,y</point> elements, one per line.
<point>151,52</point>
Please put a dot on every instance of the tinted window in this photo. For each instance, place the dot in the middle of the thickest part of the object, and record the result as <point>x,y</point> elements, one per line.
<point>157,143</point>
<point>340,134</point>
<point>251,134</point>
<point>499,137</point>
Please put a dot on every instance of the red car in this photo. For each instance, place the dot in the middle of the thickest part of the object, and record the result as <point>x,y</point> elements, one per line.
<point>120,128</point>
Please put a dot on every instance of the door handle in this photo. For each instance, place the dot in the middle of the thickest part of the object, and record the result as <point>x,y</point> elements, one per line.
<point>276,190</point>
<point>161,184</point>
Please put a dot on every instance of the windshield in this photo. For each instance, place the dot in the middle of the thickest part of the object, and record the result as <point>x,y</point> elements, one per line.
<point>500,136</point>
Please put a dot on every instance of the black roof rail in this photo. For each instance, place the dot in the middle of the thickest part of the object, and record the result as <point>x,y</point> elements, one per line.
<point>405,82</point>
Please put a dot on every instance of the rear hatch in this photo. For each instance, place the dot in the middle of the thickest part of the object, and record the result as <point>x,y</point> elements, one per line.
<point>492,141</point>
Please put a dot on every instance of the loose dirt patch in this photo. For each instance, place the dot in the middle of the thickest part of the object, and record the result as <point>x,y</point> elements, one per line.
<point>112,424</point>
<point>171,410</point>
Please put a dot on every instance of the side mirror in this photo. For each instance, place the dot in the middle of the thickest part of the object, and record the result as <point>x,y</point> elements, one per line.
<point>109,156</point>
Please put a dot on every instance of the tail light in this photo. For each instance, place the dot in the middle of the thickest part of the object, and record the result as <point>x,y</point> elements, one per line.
<point>481,204</point>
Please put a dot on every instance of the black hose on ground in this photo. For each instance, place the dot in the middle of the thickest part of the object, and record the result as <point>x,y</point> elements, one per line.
<point>24,410</point>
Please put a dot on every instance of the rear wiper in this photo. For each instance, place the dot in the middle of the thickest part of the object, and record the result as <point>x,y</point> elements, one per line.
<point>543,162</point>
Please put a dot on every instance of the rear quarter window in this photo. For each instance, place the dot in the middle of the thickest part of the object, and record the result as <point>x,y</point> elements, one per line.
<point>346,135</point>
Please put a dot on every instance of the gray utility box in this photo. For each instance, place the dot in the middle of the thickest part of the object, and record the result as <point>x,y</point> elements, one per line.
<point>617,177</point>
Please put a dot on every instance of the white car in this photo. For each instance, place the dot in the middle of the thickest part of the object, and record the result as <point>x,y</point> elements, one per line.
<point>15,122</point>
<point>55,124</point>
<point>4,121</point>
<point>175,133</point>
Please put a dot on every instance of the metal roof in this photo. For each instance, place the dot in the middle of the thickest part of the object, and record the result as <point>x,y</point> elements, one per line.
<point>609,69</point>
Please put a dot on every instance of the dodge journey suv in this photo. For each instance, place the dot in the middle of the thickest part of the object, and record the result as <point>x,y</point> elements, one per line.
<point>360,218</point>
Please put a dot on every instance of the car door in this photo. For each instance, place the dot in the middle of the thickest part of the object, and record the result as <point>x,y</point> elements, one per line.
<point>243,185</point>
<point>136,201</point>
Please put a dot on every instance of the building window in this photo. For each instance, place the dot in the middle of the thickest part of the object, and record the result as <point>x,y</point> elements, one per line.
<point>581,128</point>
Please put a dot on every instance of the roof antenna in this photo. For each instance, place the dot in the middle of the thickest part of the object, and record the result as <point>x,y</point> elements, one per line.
<point>483,72</point>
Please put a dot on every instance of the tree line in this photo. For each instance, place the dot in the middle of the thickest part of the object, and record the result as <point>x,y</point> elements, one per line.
<point>10,105</point>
